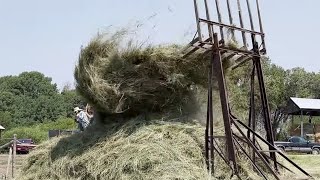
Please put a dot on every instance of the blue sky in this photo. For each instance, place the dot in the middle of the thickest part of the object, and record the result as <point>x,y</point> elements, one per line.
<point>46,35</point>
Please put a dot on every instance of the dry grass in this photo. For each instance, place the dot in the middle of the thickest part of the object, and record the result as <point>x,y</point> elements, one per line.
<point>310,163</point>
<point>140,95</point>
<point>138,149</point>
<point>125,78</point>
<point>119,76</point>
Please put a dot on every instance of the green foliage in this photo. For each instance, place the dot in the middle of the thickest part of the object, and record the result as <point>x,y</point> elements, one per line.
<point>275,77</point>
<point>31,97</point>
<point>71,99</point>
<point>280,86</point>
<point>39,132</point>
<point>6,119</point>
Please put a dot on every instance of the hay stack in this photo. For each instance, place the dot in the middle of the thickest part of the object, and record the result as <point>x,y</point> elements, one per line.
<point>123,78</point>
<point>130,86</point>
<point>135,150</point>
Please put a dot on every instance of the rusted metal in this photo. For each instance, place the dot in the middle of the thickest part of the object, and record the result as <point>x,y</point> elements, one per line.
<point>218,70</point>
<point>241,55</point>
<point>251,106</point>
<point>220,153</point>
<point>252,112</point>
<point>224,48</point>
<point>210,28</point>
<point>230,56</point>
<point>219,19</point>
<point>196,10</point>
<point>195,48</point>
<point>250,15</point>
<point>265,106</point>
<point>231,27</point>
<point>260,25</point>
<point>211,114</point>
<point>230,17</point>
<point>266,156</point>
<point>255,150</point>
<point>281,165</point>
<point>259,16</point>
<point>244,39</point>
<point>206,144</point>
<point>273,147</point>
<point>251,160</point>
<point>240,61</point>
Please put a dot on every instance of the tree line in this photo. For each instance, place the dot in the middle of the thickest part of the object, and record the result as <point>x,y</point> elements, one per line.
<point>281,84</point>
<point>32,98</point>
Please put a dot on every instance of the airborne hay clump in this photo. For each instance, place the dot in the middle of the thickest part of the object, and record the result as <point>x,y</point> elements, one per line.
<point>120,77</point>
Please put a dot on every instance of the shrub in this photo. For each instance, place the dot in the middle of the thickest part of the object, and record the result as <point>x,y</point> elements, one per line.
<point>39,132</point>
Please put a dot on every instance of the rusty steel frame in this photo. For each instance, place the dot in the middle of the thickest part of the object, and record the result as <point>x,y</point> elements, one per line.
<point>216,47</point>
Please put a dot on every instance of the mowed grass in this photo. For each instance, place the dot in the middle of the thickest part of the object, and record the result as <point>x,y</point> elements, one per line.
<point>310,163</point>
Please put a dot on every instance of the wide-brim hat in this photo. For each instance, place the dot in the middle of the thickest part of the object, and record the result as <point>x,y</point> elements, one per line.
<point>76,109</point>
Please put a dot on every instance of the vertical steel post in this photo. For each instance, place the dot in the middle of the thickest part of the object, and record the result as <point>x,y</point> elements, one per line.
<point>265,106</point>
<point>224,102</point>
<point>244,39</point>
<point>230,17</point>
<point>196,10</point>
<point>250,15</point>
<point>301,119</point>
<point>251,23</point>
<point>252,105</point>
<point>260,24</point>
<point>209,126</point>
<point>210,28</point>
<point>229,12</point>
<point>219,19</point>
<point>252,112</point>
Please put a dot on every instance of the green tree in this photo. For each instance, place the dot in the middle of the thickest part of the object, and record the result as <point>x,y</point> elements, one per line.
<point>6,119</point>
<point>71,99</point>
<point>30,97</point>
<point>35,84</point>
<point>298,83</point>
<point>7,101</point>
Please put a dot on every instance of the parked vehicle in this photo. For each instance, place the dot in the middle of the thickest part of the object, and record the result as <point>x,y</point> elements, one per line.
<point>23,146</point>
<point>298,144</point>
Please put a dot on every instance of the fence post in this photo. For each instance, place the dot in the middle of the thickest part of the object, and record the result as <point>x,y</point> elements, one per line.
<point>14,153</point>
<point>9,159</point>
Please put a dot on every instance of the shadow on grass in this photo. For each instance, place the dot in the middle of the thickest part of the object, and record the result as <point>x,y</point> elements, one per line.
<point>77,144</point>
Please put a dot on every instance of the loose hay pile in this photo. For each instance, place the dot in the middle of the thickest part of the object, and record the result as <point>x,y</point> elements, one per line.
<point>138,149</point>
<point>131,79</point>
<point>130,86</point>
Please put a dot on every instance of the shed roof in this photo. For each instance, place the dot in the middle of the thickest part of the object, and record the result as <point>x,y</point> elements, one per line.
<point>2,128</point>
<point>297,106</point>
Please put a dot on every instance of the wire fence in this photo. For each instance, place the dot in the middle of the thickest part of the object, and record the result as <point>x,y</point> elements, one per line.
<point>10,158</point>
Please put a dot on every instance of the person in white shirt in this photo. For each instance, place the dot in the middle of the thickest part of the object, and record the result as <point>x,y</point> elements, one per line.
<point>81,118</point>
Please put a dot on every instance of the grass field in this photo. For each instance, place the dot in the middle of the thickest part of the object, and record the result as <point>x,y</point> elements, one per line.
<point>310,163</point>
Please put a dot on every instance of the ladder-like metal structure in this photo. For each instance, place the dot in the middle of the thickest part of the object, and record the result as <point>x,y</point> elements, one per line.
<point>212,37</point>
